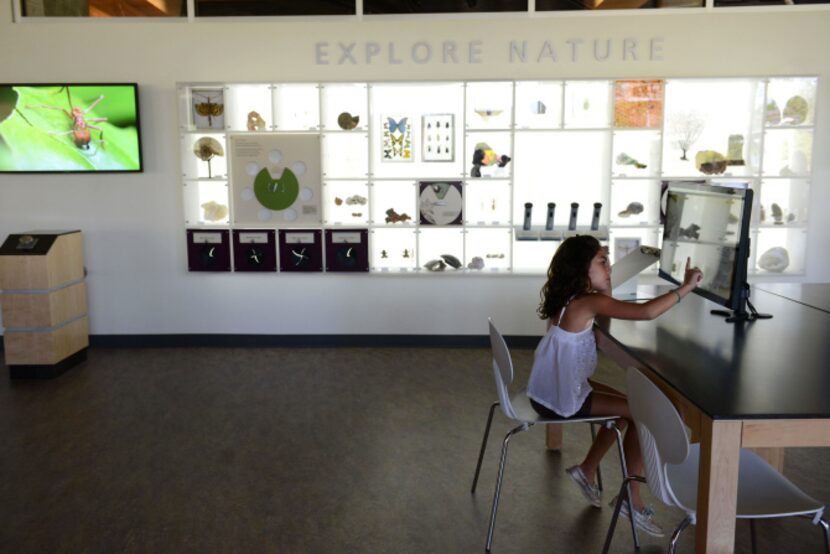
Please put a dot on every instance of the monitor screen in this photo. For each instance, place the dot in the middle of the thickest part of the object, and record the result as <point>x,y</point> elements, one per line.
<point>709,225</point>
<point>57,128</point>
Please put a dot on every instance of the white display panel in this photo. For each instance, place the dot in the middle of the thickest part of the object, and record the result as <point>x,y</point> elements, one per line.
<point>485,149</point>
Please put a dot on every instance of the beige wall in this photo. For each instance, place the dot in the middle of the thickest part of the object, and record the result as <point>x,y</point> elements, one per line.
<point>133,224</point>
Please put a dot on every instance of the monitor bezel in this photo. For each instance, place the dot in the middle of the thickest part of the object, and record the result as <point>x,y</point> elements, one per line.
<point>140,168</point>
<point>738,290</point>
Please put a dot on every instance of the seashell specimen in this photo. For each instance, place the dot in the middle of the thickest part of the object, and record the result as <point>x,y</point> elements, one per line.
<point>215,211</point>
<point>633,208</point>
<point>476,263</point>
<point>795,111</point>
<point>451,260</point>
<point>776,259</point>
<point>710,162</point>
<point>435,265</point>
<point>347,121</point>
<point>625,159</point>
<point>255,121</point>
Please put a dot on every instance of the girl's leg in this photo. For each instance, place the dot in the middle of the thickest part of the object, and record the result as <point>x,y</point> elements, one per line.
<point>612,404</point>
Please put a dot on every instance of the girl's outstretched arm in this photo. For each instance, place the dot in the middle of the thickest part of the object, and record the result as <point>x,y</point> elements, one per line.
<point>607,306</point>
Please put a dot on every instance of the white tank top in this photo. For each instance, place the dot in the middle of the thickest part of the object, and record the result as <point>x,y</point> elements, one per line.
<point>562,363</point>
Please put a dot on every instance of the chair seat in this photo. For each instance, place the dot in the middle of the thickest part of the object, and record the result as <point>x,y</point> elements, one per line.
<point>525,412</point>
<point>762,490</point>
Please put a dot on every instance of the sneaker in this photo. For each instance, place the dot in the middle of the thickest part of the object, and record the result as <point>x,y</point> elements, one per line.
<point>643,520</point>
<point>591,492</point>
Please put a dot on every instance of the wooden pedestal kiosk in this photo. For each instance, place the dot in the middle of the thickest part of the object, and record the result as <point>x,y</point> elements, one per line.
<point>43,301</point>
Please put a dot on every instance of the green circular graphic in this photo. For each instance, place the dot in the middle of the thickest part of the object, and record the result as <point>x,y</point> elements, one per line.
<point>276,194</point>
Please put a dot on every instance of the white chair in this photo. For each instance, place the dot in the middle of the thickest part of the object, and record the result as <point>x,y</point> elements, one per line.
<point>518,408</point>
<point>671,467</point>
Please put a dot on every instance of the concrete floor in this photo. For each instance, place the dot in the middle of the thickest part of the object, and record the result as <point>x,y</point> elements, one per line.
<point>304,451</point>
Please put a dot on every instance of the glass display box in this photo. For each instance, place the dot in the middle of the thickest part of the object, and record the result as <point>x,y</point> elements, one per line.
<point>487,177</point>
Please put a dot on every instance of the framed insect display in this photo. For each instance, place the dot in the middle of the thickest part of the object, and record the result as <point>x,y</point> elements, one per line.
<point>396,138</point>
<point>301,250</point>
<point>438,138</point>
<point>208,108</point>
<point>347,250</point>
<point>208,250</point>
<point>254,250</point>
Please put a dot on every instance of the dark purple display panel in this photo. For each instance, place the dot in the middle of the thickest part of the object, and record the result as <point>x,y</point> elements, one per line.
<point>347,250</point>
<point>301,250</point>
<point>208,250</point>
<point>254,250</point>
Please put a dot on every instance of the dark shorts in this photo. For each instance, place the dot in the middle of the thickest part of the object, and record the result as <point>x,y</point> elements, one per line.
<point>583,411</point>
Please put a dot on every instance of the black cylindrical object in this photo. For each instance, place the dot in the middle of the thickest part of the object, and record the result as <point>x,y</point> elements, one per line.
<point>549,220</point>
<point>528,210</point>
<point>574,211</point>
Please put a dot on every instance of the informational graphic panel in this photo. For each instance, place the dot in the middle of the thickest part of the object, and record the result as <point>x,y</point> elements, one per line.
<point>275,179</point>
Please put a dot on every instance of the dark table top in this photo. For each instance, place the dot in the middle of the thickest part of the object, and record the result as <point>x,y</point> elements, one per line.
<point>773,368</point>
<point>815,295</point>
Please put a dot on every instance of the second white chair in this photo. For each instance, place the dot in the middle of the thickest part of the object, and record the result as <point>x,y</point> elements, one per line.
<point>671,467</point>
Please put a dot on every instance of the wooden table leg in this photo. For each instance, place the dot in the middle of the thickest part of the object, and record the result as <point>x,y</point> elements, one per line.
<point>717,491</point>
<point>554,436</point>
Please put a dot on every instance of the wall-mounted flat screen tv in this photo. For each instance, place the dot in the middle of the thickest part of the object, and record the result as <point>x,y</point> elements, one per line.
<point>78,128</point>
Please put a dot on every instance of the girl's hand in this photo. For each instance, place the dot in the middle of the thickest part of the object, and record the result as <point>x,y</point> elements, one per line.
<point>693,275</point>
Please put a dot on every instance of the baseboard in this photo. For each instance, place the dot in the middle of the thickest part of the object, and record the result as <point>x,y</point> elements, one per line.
<point>306,341</point>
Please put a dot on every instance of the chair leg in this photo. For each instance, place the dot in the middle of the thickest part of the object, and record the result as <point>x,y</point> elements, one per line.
<point>621,497</point>
<point>753,542</point>
<point>502,463</point>
<point>826,530</point>
<point>599,470</point>
<point>676,534</point>
<point>483,446</point>
<point>627,483</point>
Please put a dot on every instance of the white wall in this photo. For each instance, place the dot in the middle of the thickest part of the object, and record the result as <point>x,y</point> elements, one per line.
<point>133,224</point>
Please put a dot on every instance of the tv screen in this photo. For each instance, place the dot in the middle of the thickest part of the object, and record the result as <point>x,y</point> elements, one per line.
<point>46,128</point>
<point>710,225</point>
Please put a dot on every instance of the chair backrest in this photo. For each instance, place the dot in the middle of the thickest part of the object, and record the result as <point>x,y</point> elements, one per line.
<point>502,370</point>
<point>663,438</point>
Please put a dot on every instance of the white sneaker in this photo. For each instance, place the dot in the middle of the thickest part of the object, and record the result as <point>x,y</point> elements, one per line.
<point>591,492</point>
<point>643,520</point>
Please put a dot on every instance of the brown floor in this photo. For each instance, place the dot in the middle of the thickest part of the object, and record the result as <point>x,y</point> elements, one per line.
<point>303,451</point>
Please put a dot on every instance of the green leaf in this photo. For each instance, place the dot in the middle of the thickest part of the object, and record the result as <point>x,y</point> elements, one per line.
<point>38,135</point>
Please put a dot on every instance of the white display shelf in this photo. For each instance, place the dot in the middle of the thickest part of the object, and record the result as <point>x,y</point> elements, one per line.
<point>563,147</point>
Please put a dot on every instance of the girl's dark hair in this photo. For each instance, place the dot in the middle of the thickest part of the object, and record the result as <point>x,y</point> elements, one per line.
<point>567,274</point>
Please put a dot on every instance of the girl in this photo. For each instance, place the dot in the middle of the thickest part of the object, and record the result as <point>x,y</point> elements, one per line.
<point>578,289</point>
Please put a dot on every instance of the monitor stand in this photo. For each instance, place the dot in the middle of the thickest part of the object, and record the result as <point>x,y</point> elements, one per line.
<point>742,314</point>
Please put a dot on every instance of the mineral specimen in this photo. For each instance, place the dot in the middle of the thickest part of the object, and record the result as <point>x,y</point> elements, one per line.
<point>394,217</point>
<point>476,263</point>
<point>776,259</point>
<point>255,121</point>
<point>777,214</point>
<point>773,113</point>
<point>633,208</point>
<point>215,211</point>
<point>710,162</point>
<point>795,111</point>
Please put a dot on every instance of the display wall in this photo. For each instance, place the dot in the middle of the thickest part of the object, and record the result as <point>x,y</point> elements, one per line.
<point>136,253</point>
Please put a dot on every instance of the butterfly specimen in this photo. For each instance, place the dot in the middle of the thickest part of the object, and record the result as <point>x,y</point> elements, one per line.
<point>397,126</point>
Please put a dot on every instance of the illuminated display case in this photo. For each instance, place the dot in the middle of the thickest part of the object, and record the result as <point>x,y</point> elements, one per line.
<point>436,177</point>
